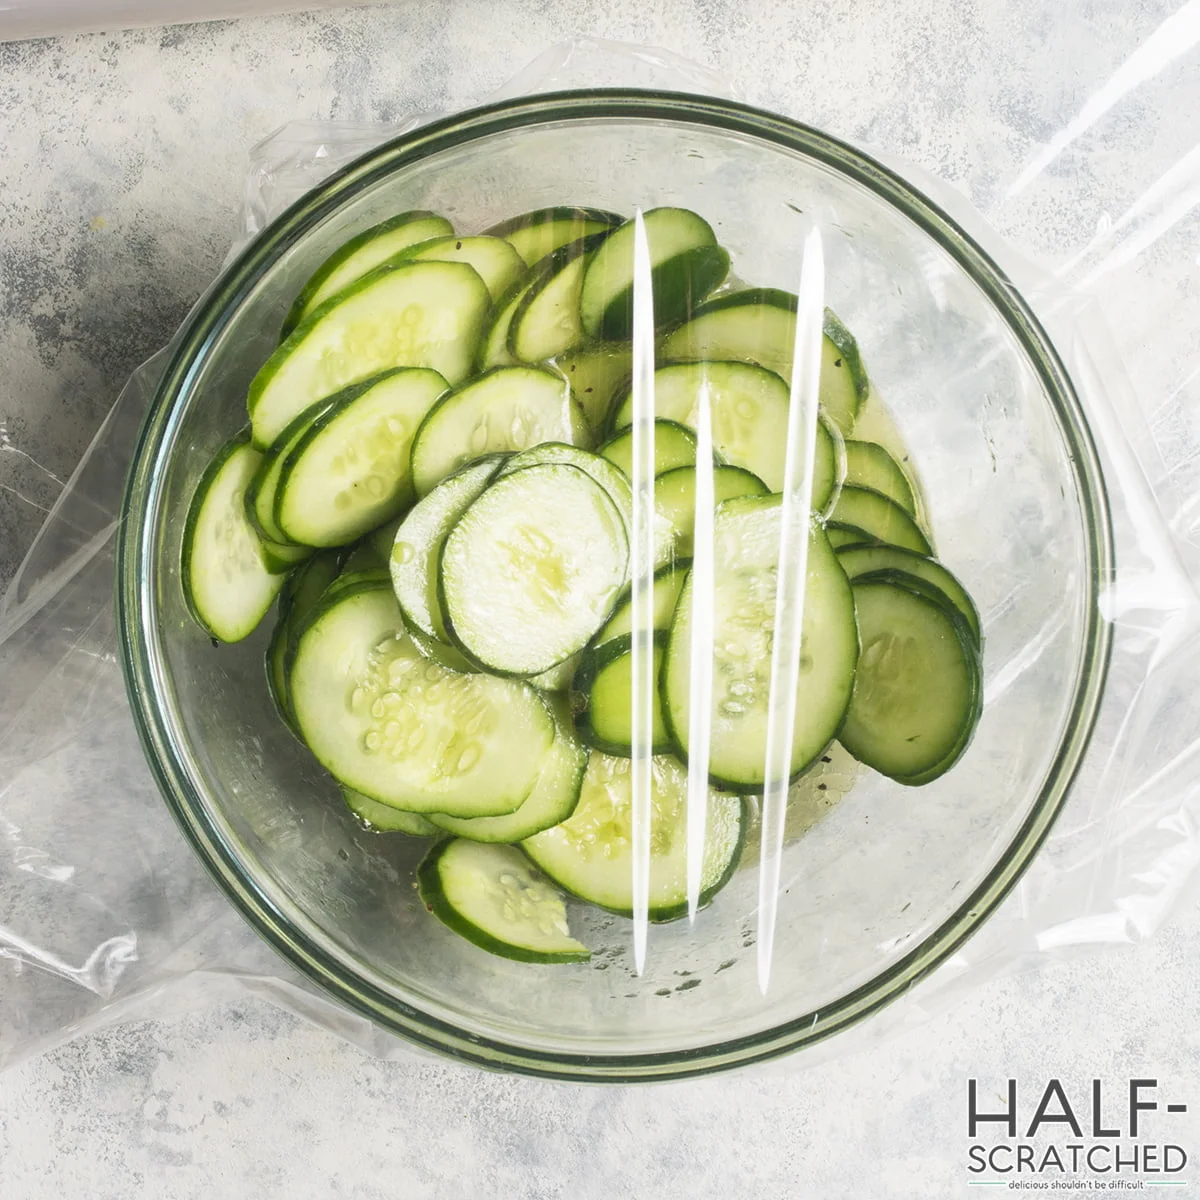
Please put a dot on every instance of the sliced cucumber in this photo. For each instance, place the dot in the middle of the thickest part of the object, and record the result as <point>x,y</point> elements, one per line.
<point>558,678</point>
<point>350,469</point>
<point>759,325</point>
<point>674,446</point>
<point>546,321</point>
<point>264,486</point>
<point>604,691</point>
<point>609,476</point>
<point>843,537</point>
<point>917,690</point>
<point>865,560</point>
<point>445,654</point>
<point>535,234</point>
<point>495,261</point>
<point>686,264</point>
<point>552,800</point>
<point>361,254</point>
<point>590,855</point>
<point>509,408</point>
<point>749,407</point>
<point>871,466</point>
<point>675,499</point>
<point>277,670</point>
<point>533,569</point>
<point>363,559</point>
<point>668,582</point>
<point>745,550</point>
<point>417,546</point>
<point>491,896</point>
<point>595,372</point>
<point>307,584</point>
<point>417,314</point>
<point>877,516</point>
<point>383,538</point>
<point>382,818</point>
<point>493,345</point>
<point>390,723</point>
<point>226,580</point>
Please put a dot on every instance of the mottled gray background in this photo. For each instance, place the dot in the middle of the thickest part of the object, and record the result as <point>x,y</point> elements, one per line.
<point>121,164</point>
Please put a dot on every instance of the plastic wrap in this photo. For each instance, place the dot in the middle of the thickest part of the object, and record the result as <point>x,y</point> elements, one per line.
<point>105,910</point>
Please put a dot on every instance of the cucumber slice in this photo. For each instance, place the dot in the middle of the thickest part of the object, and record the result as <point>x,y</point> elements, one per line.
<point>759,325</point>
<point>746,549</point>
<point>595,372</point>
<point>917,692</point>
<point>552,800</point>
<point>674,446</point>
<point>590,855</point>
<point>364,559</point>
<point>307,584</point>
<point>417,314</point>
<point>361,254</point>
<point>668,583</point>
<point>675,499</point>
<point>535,234</point>
<point>493,345</point>
<point>558,678</point>
<point>509,408</point>
<point>749,407</point>
<point>383,538</point>
<point>387,722</point>
<point>879,518</point>
<point>444,654</point>
<point>491,896</point>
<point>532,569</point>
<point>277,670</point>
<point>264,486</point>
<point>226,580</point>
<point>604,690</point>
<point>686,264</point>
<point>871,466</point>
<point>866,560</point>
<point>495,261</point>
<point>381,818</point>
<point>610,477</point>
<point>843,537</point>
<point>418,545</point>
<point>546,321</point>
<point>350,470</point>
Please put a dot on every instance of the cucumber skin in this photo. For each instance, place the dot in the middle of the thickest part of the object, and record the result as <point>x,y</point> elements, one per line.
<point>595,659</point>
<point>429,886</point>
<point>670,912</point>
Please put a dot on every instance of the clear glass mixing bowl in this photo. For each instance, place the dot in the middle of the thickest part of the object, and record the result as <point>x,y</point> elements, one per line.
<point>885,881</point>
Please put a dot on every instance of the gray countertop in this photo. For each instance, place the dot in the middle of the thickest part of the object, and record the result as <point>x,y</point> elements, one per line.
<point>122,159</point>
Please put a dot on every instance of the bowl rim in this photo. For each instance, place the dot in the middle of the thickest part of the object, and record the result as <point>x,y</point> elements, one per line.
<point>136,600</point>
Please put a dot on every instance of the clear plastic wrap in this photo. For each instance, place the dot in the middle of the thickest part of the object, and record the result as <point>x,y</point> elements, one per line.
<point>104,909</point>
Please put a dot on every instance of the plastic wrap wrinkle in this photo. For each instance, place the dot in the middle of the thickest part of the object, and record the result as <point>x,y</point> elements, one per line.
<point>105,912</point>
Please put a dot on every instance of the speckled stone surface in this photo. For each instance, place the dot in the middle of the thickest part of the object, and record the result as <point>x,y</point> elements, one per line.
<point>122,159</point>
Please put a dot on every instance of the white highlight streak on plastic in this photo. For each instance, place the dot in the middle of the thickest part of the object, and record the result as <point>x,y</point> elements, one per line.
<point>700,667</point>
<point>1171,40</point>
<point>791,582</point>
<point>642,583</point>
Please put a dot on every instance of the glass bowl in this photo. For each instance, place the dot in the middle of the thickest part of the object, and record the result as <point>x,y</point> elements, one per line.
<point>880,882</point>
